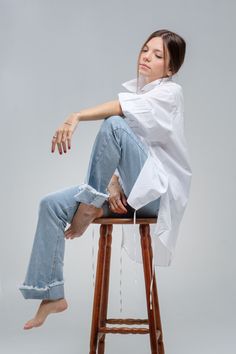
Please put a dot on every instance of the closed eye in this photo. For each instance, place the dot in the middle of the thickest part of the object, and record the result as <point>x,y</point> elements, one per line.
<point>144,50</point>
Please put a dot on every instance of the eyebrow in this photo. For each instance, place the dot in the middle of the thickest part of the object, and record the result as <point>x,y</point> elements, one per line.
<point>157,50</point>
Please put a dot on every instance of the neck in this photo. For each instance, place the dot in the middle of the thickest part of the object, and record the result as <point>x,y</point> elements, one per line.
<point>144,80</point>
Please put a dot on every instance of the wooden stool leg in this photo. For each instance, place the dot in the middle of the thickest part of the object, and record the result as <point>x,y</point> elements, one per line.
<point>145,245</point>
<point>98,290</point>
<point>155,302</point>
<point>105,288</point>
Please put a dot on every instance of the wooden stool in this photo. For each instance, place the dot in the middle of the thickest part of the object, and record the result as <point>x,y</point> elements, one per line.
<point>100,301</point>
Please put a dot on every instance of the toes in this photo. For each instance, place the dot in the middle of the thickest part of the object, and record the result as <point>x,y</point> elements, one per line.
<point>28,325</point>
<point>68,233</point>
<point>72,234</point>
<point>69,236</point>
<point>33,323</point>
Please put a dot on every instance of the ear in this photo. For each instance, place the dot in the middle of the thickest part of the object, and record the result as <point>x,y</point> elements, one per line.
<point>169,72</point>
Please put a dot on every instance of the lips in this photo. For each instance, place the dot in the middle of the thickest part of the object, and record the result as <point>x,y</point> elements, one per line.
<point>145,65</point>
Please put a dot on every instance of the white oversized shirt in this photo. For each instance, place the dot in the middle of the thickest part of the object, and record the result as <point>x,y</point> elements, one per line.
<point>155,113</point>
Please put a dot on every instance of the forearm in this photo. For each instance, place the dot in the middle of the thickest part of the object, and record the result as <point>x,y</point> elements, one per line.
<point>104,110</point>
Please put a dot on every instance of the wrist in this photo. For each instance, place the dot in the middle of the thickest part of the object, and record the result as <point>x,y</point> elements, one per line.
<point>77,116</point>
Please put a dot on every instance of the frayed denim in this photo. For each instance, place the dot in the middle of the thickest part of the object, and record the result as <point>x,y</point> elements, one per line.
<point>115,147</point>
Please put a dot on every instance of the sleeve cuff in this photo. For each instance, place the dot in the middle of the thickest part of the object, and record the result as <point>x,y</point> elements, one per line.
<point>132,103</point>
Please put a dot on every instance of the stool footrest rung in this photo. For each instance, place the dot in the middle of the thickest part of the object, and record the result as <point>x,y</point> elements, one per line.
<point>126,330</point>
<point>128,321</point>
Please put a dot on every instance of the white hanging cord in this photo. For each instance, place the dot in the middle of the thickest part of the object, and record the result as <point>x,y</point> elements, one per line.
<point>153,270</point>
<point>121,272</point>
<point>93,255</point>
<point>135,247</point>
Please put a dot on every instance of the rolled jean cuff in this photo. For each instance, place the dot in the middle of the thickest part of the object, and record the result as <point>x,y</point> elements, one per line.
<point>53,291</point>
<point>90,195</point>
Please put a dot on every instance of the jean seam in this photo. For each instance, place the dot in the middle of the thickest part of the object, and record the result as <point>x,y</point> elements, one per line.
<point>98,156</point>
<point>54,256</point>
<point>96,160</point>
<point>137,143</point>
<point>60,223</point>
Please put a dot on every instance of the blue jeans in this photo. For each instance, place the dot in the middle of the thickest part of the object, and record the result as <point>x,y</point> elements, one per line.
<point>115,146</point>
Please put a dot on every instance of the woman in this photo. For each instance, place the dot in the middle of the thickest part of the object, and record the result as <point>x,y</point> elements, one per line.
<point>139,152</point>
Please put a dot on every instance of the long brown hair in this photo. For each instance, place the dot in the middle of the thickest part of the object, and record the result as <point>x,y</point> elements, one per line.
<point>175,45</point>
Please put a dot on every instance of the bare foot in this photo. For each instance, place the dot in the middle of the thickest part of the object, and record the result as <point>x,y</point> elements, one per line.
<point>45,308</point>
<point>84,215</point>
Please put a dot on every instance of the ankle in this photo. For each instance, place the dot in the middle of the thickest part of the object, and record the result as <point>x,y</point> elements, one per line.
<point>45,301</point>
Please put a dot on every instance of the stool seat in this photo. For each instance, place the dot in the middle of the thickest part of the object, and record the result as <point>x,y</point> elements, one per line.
<point>107,221</point>
<point>99,328</point>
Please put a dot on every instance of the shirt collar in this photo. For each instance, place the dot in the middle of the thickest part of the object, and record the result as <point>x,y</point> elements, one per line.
<point>131,85</point>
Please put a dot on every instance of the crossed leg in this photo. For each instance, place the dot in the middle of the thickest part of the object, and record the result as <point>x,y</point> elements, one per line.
<point>115,146</point>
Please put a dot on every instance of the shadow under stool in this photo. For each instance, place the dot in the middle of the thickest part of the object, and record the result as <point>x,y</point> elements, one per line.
<point>99,327</point>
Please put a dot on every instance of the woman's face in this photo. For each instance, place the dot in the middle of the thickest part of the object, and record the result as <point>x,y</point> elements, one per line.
<point>152,55</point>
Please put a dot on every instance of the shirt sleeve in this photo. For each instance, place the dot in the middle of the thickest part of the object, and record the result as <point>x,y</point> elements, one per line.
<point>150,114</point>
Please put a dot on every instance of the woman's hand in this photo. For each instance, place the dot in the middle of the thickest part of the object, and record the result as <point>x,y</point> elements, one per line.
<point>117,198</point>
<point>64,132</point>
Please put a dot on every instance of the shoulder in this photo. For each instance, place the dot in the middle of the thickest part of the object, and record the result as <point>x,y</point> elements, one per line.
<point>170,92</point>
<point>172,88</point>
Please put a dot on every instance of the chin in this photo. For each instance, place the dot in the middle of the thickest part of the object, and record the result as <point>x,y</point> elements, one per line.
<point>143,73</point>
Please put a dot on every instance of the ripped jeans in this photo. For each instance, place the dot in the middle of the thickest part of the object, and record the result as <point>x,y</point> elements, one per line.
<point>115,147</point>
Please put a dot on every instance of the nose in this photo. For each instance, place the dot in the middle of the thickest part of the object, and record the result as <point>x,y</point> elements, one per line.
<point>146,56</point>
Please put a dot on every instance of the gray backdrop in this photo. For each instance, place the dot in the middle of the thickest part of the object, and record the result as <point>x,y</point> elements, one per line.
<point>58,57</point>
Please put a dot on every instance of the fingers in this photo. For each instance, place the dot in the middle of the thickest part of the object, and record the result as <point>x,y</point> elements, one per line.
<point>54,139</point>
<point>117,206</point>
<point>59,148</point>
<point>123,198</point>
<point>64,133</point>
<point>60,139</point>
<point>64,140</point>
<point>121,206</point>
<point>69,135</point>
